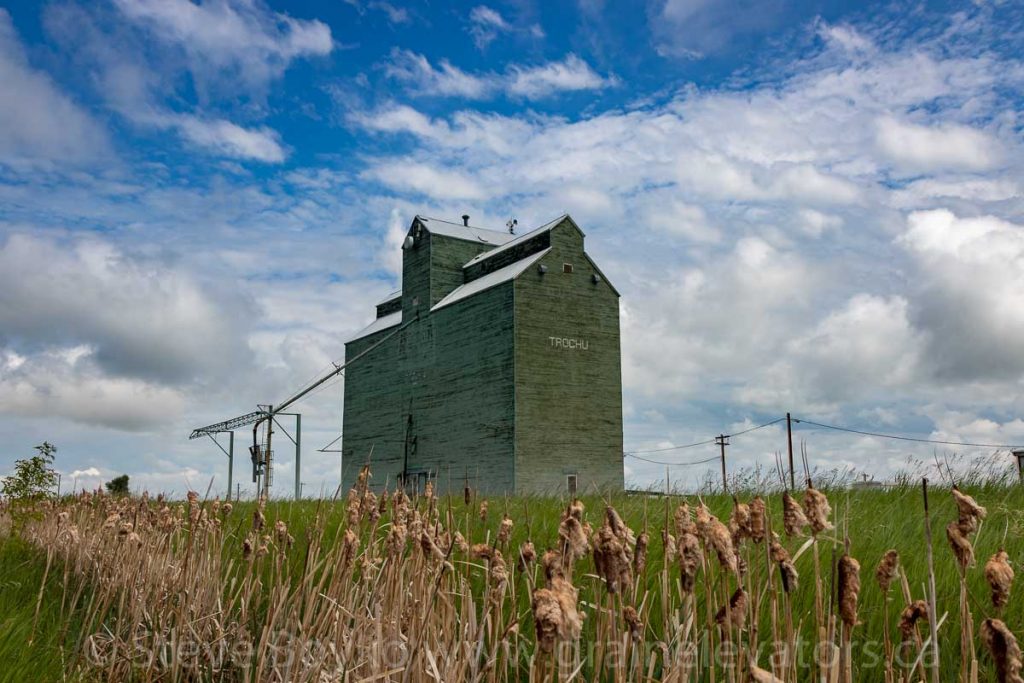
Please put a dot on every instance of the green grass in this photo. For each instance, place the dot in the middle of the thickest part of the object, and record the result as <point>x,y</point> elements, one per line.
<point>877,521</point>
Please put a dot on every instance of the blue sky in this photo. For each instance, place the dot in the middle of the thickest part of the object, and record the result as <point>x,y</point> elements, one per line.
<point>812,207</point>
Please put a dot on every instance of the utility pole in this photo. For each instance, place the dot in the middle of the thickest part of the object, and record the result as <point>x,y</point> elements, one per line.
<point>231,460</point>
<point>298,454</point>
<point>722,440</point>
<point>789,434</point>
<point>266,455</point>
<point>1020,464</point>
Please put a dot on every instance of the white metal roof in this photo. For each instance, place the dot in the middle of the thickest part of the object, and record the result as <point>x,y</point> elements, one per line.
<point>393,295</point>
<point>378,325</point>
<point>466,232</point>
<point>518,239</point>
<point>509,272</point>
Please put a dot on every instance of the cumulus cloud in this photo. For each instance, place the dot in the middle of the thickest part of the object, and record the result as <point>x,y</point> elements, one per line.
<point>37,120</point>
<point>426,180</point>
<point>243,40</point>
<point>138,317</point>
<point>229,139</point>
<point>968,286</point>
<point>929,148</point>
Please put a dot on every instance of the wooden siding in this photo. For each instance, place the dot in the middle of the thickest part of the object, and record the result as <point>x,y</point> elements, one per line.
<point>568,400</point>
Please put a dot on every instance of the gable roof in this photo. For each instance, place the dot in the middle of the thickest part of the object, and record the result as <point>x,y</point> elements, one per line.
<point>379,325</point>
<point>493,279</point>
<point>517,239</point>
<point>470,233</point>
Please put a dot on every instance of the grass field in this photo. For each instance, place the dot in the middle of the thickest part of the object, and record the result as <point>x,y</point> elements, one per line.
<point>140,590</point>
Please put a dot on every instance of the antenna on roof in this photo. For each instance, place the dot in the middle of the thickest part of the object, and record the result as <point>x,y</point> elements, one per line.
<point>511,225</point>
<point>465,219</point>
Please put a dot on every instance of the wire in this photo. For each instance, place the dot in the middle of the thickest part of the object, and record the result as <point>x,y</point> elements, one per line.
<point>711,440</point>
<point>904,438</point>
<point>676,464</point>
<point>754,429</point>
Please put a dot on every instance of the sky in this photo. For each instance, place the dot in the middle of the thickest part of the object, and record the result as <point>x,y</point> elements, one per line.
<point>808,207</point>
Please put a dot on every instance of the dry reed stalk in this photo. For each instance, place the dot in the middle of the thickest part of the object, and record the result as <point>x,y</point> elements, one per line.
<point>887,571</point>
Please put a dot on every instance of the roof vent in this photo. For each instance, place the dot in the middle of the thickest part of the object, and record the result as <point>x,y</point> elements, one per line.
<point>511,225</point>
<point>465,219</point>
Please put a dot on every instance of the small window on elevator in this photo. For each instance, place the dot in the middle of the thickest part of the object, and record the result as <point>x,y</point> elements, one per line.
<point>566,267</point>
<point>570,484</point>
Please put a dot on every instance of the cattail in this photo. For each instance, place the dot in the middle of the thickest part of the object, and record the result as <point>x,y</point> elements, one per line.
<point>354,507</point>
<point>849,589</point>
<point>611,559</point>
<point>284,539</point>
<point>483,511</point>
<point>633,623</point>
<point>547,618</point>
<point>428,491</point>
<point>790,577</point>
<point>467,494</point>
<point>461,543</point>
<point>504,530</point>
<point>684,521</point>
<point>429,546</point>
<point>969,512</point>
<point>888,570</point>
<point>247,548</point>
<point>575,510</point>
<point>793,518</point>
<point>640,553</point>
<point>668,541</point>
<point>758,519</point>
<point>368,507</point>
<point>960,545</point>
<point>737,611</point>
<point>573,540</point>
<point>1002,645</point>
<point>911,614</point>
<point>396,539</point>
<point>759,675</point>
<point>817,509</point>
<point>363,478</point>
<point>690,556</point>
<point>527,556</point>
<point>999,575</point>
<point>226,509</point>
<point>259,520</point>
<point>551,561</point>
<point>739,521</point>
<point>349,547</point>
<point>716,535</point>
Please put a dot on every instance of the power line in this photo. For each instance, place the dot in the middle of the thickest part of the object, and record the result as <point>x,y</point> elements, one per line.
<point>702,443</point>
<point>904,438</point>
<point>674,464</point>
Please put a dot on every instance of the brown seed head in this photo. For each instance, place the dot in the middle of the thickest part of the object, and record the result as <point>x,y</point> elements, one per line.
<point>633,623</point>
<point>758,519</point>
<point>690,556</point>
<point>999,575</point>
<point>640,553</point>
<point>716,535</point>
<point>790,577</point>
<point>849,589</point>
<point>737,611</point>
<point>1003,647</point>
<point>911,614</point>
<point>961,546</point>
<point>505,530</point>
<point>888,570</point>
<point>969,512</point>
<point>817,509</point>
<point>793,518</point>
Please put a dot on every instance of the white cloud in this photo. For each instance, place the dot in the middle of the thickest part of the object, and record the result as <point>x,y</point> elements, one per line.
<point>242,40</point>
<point>531,82</point>
<point>969,285</point>
<point>447,80</point>
<point>485,25</point>
<point>572,73</point>
<point>139,317</point>
<point>426,180</point>
<point>231,140</point>
<point>37,120</point>
<point>933,148</point>
<point>90,472</point>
